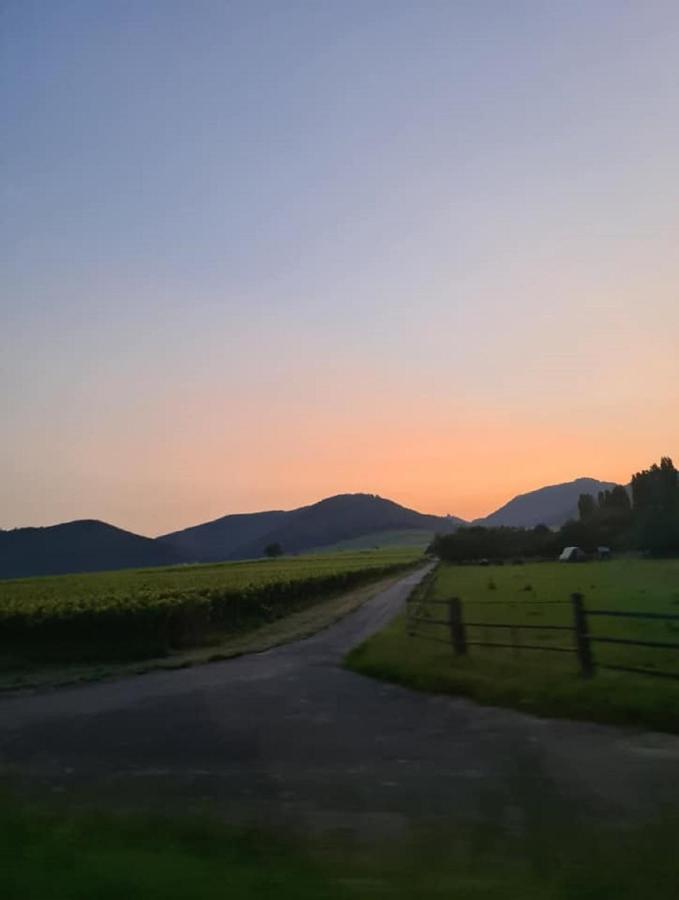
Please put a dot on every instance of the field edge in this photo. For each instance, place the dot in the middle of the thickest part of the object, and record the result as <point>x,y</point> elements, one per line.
<point>294,627</point>
<point>623,700</point>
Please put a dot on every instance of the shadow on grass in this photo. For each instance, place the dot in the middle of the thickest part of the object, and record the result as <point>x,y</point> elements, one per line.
<point>47,853</point>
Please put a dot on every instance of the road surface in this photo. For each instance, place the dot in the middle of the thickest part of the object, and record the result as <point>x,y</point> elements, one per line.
<point>289,737</point>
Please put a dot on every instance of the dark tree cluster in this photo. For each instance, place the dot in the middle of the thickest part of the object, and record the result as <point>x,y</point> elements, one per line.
<point>273,550</point>
<point>477,543</point>
<point>604,520</point>
<point>644,518</point>
<point>655,497</point>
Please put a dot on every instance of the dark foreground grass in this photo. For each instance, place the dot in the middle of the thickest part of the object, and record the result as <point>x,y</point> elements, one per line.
<point>51,856</point>
<point>543,683</point>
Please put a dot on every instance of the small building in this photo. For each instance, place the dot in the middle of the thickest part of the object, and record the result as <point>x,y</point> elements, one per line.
<point>572,554</point>
<point>603,552</point>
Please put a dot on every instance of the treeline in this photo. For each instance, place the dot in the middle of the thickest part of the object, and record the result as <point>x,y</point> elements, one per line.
<point>644,517</point>
<point>473,543</point>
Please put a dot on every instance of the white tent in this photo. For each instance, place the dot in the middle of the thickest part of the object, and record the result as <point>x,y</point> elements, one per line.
<point>572,554</point>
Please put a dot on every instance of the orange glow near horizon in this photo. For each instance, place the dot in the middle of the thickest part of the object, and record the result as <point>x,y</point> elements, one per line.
<point>466,467</point>
<point>183,451</point>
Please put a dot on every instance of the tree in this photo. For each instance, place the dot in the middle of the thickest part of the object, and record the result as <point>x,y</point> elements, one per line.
<point>473,543</point>
<point>585,535</point>
<point>619,500</point>
<point>272,550</point>
<point>655,494</point>
<point>614,515</point>
<point>587,507</point>
<point>657,488</point>
<point>606,519</point>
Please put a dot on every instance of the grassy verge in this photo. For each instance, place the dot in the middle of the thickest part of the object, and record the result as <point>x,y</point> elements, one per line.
<point>543,683</point>
<point>295,626</point>
<point>79,857</point>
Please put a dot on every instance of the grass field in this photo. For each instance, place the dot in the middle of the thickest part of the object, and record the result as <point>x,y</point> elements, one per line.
<point>542,682</point>
<point>413,537</point>
<point>66,856</point>
<point>137,613</point>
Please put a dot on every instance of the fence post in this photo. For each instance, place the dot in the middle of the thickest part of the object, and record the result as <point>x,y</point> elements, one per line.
<point>582,642</point>
<point>458,636</point>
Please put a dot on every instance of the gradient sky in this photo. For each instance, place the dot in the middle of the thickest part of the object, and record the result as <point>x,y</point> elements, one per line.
<point>257,253</point>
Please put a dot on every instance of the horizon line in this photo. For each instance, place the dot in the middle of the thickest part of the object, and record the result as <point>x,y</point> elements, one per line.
<point>315,503</point>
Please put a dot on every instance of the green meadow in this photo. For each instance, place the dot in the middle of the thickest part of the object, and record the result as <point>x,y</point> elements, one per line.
<point>413,538</point>
<point>540,681</point>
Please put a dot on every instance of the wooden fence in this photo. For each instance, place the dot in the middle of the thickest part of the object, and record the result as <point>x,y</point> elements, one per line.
<point>581,637</point>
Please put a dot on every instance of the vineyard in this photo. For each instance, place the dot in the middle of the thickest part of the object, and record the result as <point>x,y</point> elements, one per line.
<point>148,612</point>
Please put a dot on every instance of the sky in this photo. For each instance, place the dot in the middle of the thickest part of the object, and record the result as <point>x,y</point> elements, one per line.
<point>258,253</point>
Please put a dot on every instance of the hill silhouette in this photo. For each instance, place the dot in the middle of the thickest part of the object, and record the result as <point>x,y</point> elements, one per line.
<point>553,505</point>
<point>86,545</point>
<point>334,519</point>
<point>90,545</point>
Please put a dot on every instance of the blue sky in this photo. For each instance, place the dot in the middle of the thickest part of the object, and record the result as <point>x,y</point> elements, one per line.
<point>256,253</point>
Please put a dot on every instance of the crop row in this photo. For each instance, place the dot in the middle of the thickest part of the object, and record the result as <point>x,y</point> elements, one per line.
<point>152,621</point>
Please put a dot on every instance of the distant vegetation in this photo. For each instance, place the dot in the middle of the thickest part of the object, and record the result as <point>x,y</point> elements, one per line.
<point>476,543</point>
<point>138,613</point>
<point>645,518</point>
<point>375,540</point>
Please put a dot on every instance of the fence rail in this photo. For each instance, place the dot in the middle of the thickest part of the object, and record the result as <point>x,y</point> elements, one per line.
<point>583,639</point>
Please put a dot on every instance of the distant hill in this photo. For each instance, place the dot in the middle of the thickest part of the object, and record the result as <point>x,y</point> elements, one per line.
<point>341,518</point>
<point>341,522</point>
<point>403,537</point>
<point>83,546</point>
<point>550,506</point>
<point>222,538</point>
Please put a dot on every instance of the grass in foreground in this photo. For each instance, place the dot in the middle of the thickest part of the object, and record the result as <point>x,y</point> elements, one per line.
<point>543,683</point>
<point>48,856</point>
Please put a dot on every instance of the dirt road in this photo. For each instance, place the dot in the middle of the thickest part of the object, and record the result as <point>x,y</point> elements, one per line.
<point>290,737</point>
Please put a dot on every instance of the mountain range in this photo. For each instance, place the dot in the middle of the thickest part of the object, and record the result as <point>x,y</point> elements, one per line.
<point>551,506</point>
<point>344,520</point>
<point>319,525</point>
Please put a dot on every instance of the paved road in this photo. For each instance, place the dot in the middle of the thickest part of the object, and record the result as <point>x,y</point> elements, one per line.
<point>288,736</point>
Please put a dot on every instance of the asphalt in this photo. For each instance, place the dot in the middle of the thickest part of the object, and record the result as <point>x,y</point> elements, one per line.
<point>290,737</point>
